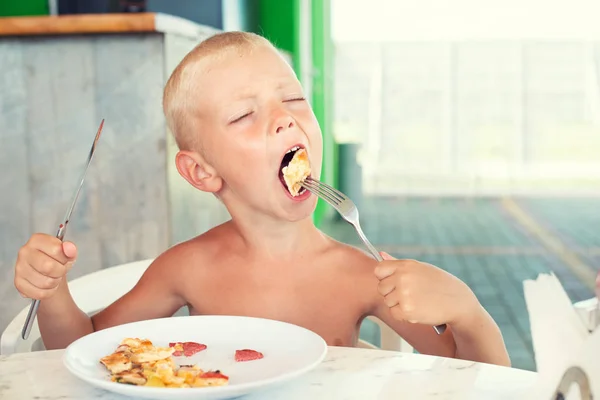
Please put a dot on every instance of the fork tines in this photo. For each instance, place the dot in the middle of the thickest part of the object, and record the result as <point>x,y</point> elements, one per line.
<point>322,190</point>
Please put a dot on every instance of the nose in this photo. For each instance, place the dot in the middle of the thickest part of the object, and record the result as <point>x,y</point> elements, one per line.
<point>283,122</point>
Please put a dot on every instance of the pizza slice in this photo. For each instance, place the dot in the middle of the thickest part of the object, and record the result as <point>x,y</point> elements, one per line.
<point>132,377</point>
<point>247,355</point>
<point>138,362</point>
<point>186,349</point>
<point>211,378</point>
<point>117,362</point>
<point>149,355</point>
<point>189,373</point>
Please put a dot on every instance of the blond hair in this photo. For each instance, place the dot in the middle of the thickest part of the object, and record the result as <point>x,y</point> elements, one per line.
<point>180,90</point>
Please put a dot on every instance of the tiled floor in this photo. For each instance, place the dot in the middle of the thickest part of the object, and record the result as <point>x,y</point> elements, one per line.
<point>487,246</point>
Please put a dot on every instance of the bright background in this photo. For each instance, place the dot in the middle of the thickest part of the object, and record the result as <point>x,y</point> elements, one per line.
<point>467,132</point>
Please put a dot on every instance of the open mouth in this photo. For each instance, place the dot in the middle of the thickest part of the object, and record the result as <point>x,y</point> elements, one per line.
<point>294,169</point>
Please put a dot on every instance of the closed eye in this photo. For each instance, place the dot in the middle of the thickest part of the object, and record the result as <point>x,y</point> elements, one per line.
<point>238,119</point>
<point>294,99</point>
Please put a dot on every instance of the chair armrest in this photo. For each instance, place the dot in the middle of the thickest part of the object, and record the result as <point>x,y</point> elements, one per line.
<point>11,341</point>
<point>91,293</point>
<point>390,340</point>
<point>589,312</point>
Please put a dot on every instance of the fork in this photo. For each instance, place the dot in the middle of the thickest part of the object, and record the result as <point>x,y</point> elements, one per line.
<point>349,212</point>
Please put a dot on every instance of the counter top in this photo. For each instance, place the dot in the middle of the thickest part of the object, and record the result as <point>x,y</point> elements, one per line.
<point>100,24</point>
<point>346,373</point>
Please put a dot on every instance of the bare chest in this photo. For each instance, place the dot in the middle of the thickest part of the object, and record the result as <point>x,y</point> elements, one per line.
<point>325,303</point>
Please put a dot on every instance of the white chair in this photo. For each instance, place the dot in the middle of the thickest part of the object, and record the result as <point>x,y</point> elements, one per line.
<point>589,312</point>
<point>389,339</point>
<point>91,292</point>
<point>95,291</point>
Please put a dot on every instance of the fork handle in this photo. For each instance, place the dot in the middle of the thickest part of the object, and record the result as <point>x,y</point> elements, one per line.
<point>371,248</point>
<point>439,329</point>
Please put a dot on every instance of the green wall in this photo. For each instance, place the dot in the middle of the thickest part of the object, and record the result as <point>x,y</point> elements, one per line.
<point>277,21</point>
<point>322,95</point>
<point>17,8</point>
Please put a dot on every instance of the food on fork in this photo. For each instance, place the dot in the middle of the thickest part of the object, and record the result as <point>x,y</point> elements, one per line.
<point>296,171</point>
<point>247,355</point>
<point>138,362</point>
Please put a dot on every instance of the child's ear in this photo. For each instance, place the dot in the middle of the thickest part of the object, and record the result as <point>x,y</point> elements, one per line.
<point>198,172</point>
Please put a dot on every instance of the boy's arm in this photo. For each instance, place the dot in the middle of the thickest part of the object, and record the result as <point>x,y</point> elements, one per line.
<point>476,337</point>
<point>413,296</point>
<point>156,295</point>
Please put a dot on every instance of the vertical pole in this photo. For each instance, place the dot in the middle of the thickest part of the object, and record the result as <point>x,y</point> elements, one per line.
<point>322,61</point>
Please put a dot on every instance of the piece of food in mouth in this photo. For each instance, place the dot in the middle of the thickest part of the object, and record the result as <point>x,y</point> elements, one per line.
<point>295,169</point>
<point>247,355</point>
<point>186,349</point>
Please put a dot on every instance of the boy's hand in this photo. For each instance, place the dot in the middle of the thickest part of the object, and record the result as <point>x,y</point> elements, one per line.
<point>41,264</point>
<point>422,293</point>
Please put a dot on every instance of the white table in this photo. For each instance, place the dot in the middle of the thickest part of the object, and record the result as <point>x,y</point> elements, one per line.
<point>346,373</point>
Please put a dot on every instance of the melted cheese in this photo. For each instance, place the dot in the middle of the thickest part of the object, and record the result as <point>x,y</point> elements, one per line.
<point>139,362</point>
<point>296,172</point>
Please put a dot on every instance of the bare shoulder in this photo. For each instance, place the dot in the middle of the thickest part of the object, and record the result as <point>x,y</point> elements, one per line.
<point>356,269</point>
<point>194,254</point>
<point>354,262</point>
<point>355,258</point>
<point>165,286</point>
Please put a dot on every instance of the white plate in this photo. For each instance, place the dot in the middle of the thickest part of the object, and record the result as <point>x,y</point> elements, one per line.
<point>289,351</point>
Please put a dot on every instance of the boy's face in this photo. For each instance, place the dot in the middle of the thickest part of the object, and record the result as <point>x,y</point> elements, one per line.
<point>252,111</point>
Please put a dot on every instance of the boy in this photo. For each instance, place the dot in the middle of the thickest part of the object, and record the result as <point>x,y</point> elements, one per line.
<point>236,108</point>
